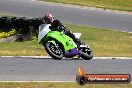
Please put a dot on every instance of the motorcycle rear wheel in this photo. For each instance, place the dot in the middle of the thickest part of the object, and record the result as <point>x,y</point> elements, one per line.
<point>87,55</point>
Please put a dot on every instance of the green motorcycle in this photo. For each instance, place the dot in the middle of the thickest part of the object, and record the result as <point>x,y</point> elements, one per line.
<point>59,45</point>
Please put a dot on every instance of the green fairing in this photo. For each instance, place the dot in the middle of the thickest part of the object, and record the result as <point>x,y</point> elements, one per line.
<point>60,37</point>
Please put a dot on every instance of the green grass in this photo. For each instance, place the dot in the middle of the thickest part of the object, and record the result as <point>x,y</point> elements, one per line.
<point>27,48</point>
<point>106,42</point>
<point>103,43</point>
<point>60,85</point>
<point>125,5</point>
<point>6,15</point>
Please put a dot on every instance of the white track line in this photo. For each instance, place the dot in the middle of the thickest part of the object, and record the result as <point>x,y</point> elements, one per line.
<point>50,57</point>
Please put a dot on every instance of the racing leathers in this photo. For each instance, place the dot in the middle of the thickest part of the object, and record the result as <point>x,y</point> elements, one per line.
<point>57,26</point>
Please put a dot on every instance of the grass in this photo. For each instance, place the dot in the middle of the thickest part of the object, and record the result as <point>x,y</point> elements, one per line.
<point>28,48</point>
<point>125,5</point>
<point>6,15</point>
<point>60,85</point>
<point>103,43</point>
<point>106,42</point>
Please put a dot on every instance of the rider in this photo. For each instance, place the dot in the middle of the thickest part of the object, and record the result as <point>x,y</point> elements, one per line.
<point>56,25</point>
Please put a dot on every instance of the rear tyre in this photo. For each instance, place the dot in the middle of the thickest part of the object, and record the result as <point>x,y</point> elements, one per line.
<point>87,54</point>
<point>54,50</point>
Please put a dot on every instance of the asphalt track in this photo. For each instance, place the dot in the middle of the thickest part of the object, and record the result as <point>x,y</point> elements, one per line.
<point>44,69</point>
<point>68,14</point>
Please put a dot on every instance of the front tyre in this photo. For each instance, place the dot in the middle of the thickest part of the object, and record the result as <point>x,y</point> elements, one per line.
<point>54,50</point>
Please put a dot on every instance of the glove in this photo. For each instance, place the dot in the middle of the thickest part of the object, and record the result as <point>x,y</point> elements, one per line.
<point>61,28</point>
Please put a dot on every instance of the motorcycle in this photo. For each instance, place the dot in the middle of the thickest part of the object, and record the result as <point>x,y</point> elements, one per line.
<point>59,45</point>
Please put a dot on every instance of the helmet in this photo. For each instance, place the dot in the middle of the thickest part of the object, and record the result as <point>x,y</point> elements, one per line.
<point>48,18</point>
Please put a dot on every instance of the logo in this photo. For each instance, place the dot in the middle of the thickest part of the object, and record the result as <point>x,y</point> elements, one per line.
<point>83,78</point>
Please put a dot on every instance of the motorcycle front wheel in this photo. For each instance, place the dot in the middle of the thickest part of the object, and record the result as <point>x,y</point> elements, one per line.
<point>54,50</point>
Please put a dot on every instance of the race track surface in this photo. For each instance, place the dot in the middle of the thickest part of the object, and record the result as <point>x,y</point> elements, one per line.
<point>47,69</point>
